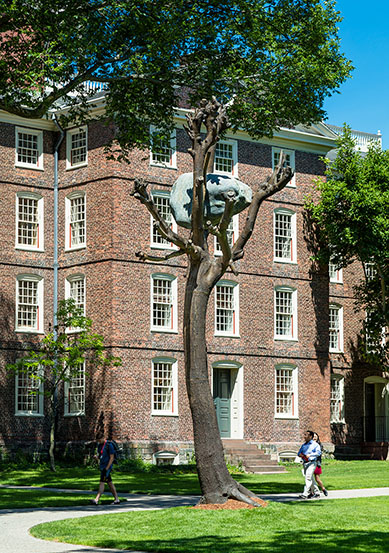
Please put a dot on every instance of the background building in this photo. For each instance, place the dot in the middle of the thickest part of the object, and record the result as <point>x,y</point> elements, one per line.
<point>282,335</point>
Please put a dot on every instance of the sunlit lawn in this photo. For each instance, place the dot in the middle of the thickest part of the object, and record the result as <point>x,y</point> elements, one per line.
<point>330,526</point>
<point>23,499</point>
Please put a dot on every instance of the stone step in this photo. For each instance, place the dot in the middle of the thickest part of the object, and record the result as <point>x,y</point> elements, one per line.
<point>250,456</point>
<point>263,469</point>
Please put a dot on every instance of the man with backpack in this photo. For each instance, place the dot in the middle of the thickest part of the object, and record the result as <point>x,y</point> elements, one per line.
<point>106,454</point>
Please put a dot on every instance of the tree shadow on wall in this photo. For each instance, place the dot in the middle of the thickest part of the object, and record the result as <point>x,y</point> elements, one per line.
<point>319,284</point>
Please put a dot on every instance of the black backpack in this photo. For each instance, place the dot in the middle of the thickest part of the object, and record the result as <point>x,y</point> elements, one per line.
<point>117,450</point>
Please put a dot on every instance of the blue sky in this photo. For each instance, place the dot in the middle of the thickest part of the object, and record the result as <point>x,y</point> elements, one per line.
<point>363,100</point>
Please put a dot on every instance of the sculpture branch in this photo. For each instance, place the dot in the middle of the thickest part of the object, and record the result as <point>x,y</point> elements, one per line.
<point>140,193</point>
<point>222,229</point>
<point>143,256</point>
<point>277,181</point>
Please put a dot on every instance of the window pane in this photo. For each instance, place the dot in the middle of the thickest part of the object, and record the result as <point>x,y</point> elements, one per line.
<point>27,151</point>
<point>163,387</point>
<point>284,313</point>
<point>283,236</point>
<point>78,149</point>
<point>284,392</point>
<point>225,309</point>
<point>163,205</point>
<point>334,328</point>
<point>162,303</point>
<point>77,221</point>
<point>336,400</point>
<point>28,226</point>
<point>224,161</point>
<point>161,151</point>
<point>27,313</point>
<point>76,392</point>
<point>27,396</point>
<point>77,292</point>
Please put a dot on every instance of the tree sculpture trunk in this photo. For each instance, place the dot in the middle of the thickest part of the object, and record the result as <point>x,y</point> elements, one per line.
<point>204,272</point>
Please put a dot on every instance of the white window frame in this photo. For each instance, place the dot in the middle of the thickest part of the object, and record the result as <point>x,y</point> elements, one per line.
<point>294,414</point>
<point>40,402</point>
<point>67,388</point>
<point>234,145</point>
<point>68,286</point>
<point>293,237</point>
<point>232,234</point>
<point>294,335</point>
<point>172,164</point>
<point>339,309</point>
<point>374,347</point>
<point>292,163</point>
<point>69,136</point>
<point>173,305</point>
<point>335,274</point>
<point>340,379</point>
<point>173,412</point>
<point>235,293</point>
<point>68,201</point>
<point>40,303</point>
<point>40,221</point>
<point>165,245</point>
<point>33,132</point>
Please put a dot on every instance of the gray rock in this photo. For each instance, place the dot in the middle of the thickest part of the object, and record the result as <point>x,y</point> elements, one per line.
<point>217,188</point>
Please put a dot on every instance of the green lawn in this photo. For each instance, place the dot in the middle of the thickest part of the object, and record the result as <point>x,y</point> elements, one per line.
<point>342,526</point>
<point>336,475</point>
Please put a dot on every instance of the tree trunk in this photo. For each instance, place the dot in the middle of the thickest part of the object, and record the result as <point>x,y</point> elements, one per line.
<point>52,417</point>
<point>216,483</point>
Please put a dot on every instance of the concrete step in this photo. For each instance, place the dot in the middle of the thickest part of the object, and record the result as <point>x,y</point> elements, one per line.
<point>263,469</point>
<point>250,456</point>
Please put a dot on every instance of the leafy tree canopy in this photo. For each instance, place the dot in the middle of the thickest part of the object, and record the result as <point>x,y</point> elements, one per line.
<point>352,218</point>
<point>271,61</point>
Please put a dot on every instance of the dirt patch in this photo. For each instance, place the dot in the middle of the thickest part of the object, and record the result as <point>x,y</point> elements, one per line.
<point>230,504</point>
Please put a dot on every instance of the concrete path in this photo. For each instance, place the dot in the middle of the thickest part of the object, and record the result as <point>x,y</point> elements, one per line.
<point>15,523</point>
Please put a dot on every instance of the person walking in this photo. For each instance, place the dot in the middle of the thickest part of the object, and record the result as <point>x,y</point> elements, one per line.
<point>318,470</point>
<point>106,456</point>
<point>309,452</point>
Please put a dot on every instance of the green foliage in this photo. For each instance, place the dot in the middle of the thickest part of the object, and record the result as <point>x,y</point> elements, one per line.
<point>352,219</point>
<point>272,63</point>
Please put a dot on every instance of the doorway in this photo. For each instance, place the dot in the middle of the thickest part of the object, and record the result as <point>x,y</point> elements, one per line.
<point>376,410</point>
<point>228,398</point>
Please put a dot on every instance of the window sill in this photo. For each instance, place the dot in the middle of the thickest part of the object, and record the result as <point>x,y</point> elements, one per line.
<point>335,351</point>
<point>336,281</point>
<point>76,248</point>
<point>81,414</point>
<point>286,417</point>
<point>28,249</point>
<point>287,261</point>
<point>32,415</point>
<point>31,167</point>
<point>226,174</point>
<point>28,331</point>
<point>227,335</point>
<point>163,165</point>
<point>163,247</point>
<point>72,167</point>
<point>338,422</point>
<point>164,330</point>
<point>163,414</point>
<point>285,339</point>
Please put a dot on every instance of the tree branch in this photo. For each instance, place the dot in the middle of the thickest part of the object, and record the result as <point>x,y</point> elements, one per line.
<point>276,182</point>
<point>143,256</point>
<point>140,193</point>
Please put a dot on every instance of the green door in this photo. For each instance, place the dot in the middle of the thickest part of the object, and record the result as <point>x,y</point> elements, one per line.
<point>222,399</point>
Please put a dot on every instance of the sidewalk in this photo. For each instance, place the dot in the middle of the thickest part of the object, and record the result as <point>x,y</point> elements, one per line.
<point>15,524</point>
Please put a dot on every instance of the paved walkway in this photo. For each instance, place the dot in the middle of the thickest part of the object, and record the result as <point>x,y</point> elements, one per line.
<point>15,523</point>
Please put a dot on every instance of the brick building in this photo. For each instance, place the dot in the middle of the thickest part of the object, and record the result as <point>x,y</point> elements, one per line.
<point>282,335</point>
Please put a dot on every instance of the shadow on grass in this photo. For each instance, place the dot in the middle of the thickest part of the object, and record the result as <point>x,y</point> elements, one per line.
<point>339,541</point>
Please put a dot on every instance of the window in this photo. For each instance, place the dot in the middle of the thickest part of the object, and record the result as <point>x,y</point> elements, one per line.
<point>370,270</point>
<point>374,340</point>
<point>163,151</point>
<point>232,234</point>
<point>285,303</point>
<point>163,303</point>
<point>75,230</point>
<point>285,236</point>
<point>28,393</point>
<point>289,162</point>
<point>164,387</point>
<point>226,157</point>
<point>29,303</point>
<point>75,289</point>
<point>162,201</point>
<point>335,328</point>
<point>74,391</point>
<point>286,392</point>
<point>226,308</point>
<point>335,273</point>
<point>29,221</point>
<point>76,148</point>
<point>29,148</point>
<point>337,399</point>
